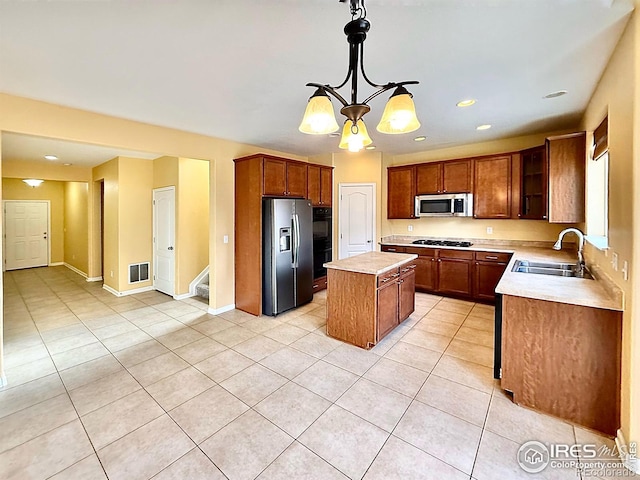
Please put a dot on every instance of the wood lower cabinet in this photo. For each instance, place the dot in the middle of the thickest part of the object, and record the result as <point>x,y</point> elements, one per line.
<point>362,308</point>
<point>458,273</point>
<point>492,187</point>
<point>564,360</point>
<point>319,284</point>
<point>454,276</point>
<point>401,192</point>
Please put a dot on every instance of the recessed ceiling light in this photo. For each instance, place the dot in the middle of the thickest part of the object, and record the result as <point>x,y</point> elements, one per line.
<point>466,103</point>
<point>66,164</point>
<point>50,157</point>
<point>370,147</point>
<point>483,127</point>
<point>421,138</point>
<point>559,93</point>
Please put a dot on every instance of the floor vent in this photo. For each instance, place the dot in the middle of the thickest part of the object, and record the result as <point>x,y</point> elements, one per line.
<point>138,272</point>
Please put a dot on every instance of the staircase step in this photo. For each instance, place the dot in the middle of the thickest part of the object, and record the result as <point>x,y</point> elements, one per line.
<point>202,290</point>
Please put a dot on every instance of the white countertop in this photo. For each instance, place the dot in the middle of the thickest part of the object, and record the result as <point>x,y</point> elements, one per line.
<point>372,263</point>
<point>599,292</point>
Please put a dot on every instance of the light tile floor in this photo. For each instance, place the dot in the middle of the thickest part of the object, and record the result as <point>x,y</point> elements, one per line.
<point>147,387</point>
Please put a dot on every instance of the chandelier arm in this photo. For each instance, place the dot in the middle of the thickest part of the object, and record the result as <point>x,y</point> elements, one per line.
<point>331,90</point>
<point>364,75</point>
<point>387,87</point>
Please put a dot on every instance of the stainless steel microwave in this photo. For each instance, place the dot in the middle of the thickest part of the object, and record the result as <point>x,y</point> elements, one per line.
<point>449,205</point>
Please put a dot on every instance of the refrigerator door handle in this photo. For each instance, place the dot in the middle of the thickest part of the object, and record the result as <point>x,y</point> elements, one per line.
<point>296,240</point>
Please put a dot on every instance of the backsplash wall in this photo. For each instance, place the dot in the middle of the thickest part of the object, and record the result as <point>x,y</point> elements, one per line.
<point>532,230</point>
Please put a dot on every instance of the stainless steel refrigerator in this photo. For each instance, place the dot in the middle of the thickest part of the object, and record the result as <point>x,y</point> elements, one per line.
<point>287,255</point>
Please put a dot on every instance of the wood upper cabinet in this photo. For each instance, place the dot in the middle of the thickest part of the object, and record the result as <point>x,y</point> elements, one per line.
<point>567,161</point>
<point>319,185</point>
<point>454,272</point>
<point>284,178</point>
<point>456,176</point>
<point>401,192</point>
<point>532,183</point>
<point>443,177</point>
<point>429,178</point>
<point>492,187</point>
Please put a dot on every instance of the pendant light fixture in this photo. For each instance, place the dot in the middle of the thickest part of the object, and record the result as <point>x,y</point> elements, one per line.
<point>399,115</point>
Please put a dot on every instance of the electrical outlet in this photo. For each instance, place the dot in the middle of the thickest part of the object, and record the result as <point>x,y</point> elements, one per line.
<point>111,273</point>
<point>225,239</point>
<point>614,261</point>
<point>490,230</point>
<point>625,270</point>
<point>410,228</point>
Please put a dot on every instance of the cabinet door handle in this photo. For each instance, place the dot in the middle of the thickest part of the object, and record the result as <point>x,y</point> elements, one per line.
<point>439,260</point>
<point>391,250</point>
<point>488,257</point>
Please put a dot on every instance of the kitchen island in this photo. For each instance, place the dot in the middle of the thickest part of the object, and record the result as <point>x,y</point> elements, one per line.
<point>369,295</point>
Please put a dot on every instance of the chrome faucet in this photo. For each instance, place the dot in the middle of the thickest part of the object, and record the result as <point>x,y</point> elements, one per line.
<point>580,235</point>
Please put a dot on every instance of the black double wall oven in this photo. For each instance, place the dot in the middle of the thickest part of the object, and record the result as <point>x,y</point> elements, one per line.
<point>321,240</point>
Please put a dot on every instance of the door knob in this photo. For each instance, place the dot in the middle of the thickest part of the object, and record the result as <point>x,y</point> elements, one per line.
<point>170,248</point>
<point>368,241</point>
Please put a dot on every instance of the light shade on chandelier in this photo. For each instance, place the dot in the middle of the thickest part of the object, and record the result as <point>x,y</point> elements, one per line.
<point>399,115</point>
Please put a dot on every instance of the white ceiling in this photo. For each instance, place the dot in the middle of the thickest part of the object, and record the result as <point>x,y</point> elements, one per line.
<point>237,69</point>
<point>19,147</point>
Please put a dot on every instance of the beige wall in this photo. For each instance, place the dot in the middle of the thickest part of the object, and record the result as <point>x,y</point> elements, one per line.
<point>135,218</point>
<point>165,172</point>
<point>46,171</point>
<point>16,189</point>
<point>21,115</point>
<point>617,95</point>
<point>107,258</point>
<point>76,225</point>
<point>192,222</point>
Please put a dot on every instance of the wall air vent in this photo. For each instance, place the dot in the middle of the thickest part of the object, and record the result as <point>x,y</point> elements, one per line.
<point>138,272</point>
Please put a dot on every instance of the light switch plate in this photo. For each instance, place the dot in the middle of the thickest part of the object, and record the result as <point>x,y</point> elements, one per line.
<point>625,270</point>
<point>410,228</point>
<point>490,230</point>
<point>614,261</point>
<point>225,239</point>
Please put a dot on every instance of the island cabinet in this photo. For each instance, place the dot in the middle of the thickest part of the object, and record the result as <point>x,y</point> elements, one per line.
<point>368,296</point>
<point>443,177</point>
<point>563,359</point>
<point>401,192</point>
<point>319,188</point>
<point>492,187</point>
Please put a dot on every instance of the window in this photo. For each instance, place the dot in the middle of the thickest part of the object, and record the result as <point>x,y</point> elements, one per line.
<point>598,188</point>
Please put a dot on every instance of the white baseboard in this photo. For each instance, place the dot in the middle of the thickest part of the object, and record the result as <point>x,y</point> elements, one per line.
<point>631,462</point>
<point>127,292</point>
<point>197,280</point>
<point>94,279</point>
<point>3,381</point>
<point>74,269</point>
<point>56,264</point>
<point>183,296</point>
<point>218,311</point>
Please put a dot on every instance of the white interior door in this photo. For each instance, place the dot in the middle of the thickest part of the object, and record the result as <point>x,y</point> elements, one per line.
<point>164,219</point>
<point>26,226</point>
<point>357,218</point>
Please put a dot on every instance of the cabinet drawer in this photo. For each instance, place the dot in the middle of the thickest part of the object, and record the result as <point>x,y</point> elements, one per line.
<point>421,251</point>
<point>493,257</point>
<point>392,248</point>
<point>388,277</point>
<point>319,284</point>
<point>407,269</point>
<point>461,254</point>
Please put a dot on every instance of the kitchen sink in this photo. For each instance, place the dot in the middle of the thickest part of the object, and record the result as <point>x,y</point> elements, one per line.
<point>554,269</point>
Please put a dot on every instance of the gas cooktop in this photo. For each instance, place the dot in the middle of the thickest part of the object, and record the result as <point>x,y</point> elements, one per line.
<point>442,243</point>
